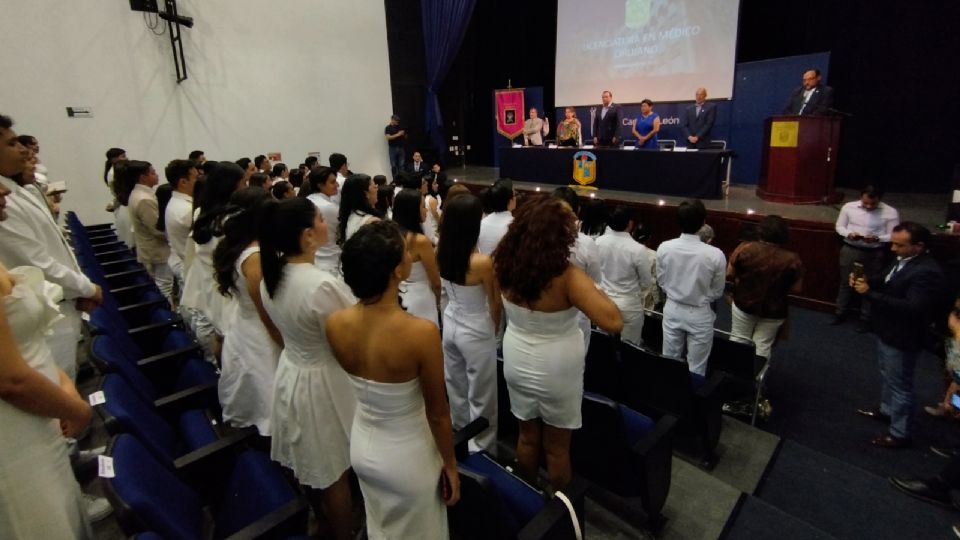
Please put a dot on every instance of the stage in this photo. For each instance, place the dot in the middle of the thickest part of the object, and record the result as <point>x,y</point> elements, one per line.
<point>812,233</point>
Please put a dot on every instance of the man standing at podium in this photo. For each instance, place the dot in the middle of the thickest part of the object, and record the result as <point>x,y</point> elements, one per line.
<point>811,98</point>
<point>698,120</point>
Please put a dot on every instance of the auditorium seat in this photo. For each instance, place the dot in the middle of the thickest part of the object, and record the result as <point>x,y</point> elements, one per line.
<point>744,372</point>
<point>249,498</point>
<point>602,367</point>
<point>653,330</point>
<point>627,454</point>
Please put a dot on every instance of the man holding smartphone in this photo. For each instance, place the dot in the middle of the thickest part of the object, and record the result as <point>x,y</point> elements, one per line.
<point>904,297</point>
<point>865,225</point>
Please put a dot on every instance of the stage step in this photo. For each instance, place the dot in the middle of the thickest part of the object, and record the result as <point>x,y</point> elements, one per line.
<point>756,519</point>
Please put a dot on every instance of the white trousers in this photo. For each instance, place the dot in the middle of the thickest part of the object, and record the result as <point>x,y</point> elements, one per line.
<point>470,370</point>
<point>763,332</point>
<point>631,309</point>
<point>163,276</point>
<point>691,326</point>
<point>64,337</point>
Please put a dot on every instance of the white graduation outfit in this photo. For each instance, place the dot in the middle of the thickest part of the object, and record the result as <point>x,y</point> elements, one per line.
<point>393,452</point>
<point>178,217</point>
<point>30,237</point>
<point>248,362</point>
<point>431,227</point>
<point>585,255</point>
<point>492,228</point>
<point>328,255</point>
<point>355,221</point>
<point>313,400</point>
<point>200,288</point>
<point>470,360</point>
<point>417,295</point>
<point>626,274</point>
<point>692,274</point>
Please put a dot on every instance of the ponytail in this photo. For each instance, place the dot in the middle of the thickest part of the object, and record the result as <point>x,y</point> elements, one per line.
<point>271,260</point>
<point>281,225</point>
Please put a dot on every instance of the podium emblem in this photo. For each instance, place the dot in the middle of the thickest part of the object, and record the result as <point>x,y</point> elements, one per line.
<point>584,168</point>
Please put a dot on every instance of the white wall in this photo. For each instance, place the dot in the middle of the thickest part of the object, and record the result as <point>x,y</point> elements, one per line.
<point>292,76</point>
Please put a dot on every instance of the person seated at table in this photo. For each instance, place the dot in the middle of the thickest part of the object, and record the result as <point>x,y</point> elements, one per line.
<point>646,126</point>
<point>568,134</point>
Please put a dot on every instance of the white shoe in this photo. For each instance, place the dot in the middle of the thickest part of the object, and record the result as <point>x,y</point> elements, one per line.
<point>97,507</point>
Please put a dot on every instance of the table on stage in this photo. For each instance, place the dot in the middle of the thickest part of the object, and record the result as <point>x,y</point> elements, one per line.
<point>698,174</point>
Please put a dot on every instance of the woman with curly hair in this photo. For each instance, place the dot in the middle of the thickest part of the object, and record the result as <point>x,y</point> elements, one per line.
<point>470,319</point>
<point>543,351</point>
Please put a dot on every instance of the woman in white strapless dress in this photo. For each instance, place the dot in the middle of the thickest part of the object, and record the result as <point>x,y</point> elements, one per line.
<point>470,319</point>
<point>313,401</point>
<point>420,292</point>
<point>357,199</point>
<point>543,351</point>
<point>39,495</point>
<point>251,347</point>
<point>402,442</point>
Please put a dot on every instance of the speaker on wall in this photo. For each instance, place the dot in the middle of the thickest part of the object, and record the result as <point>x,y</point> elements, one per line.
<point>149,6</point>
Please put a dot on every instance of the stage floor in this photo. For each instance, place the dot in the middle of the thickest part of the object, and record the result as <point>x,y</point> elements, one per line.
<point>929,209</point>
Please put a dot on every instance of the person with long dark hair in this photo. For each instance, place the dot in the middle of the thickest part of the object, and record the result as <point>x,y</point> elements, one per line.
<point>210,312</point>
<point>431,223</point>
<point>116,160</point>
<point>313,401</point>
<point>357,200</point>
<point>470,319</point>
<point>421,290</point>
<point>402,435</point>
<point>251,346</point>
<point>321,189</point>
<point>543,352</point>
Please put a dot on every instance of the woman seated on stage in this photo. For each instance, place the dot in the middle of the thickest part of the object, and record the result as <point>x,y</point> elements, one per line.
<point>402,440</point>
<point>646,126</point>
<point>543,349</point>
<point>568,134</point>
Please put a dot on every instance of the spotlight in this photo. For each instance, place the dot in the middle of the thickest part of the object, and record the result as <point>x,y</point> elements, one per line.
<point>661,202</point>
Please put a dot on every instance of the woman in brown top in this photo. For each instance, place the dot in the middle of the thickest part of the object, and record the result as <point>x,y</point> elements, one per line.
<point>763,275</point>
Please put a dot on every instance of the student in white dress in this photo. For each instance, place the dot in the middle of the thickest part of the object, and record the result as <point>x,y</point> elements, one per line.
<point>420,292</point>
<point>313,399</point>
<point>210,311</point>
<point>543,354</point>
<point>498,201</point>
<point>121,218</point>
<point>251,346</point>
<point>584,254</point>
<point>402,441</point>
<point>357,199</point>
<point>431,224</point>
<point>626,272</point>
<point>321,188</point>
<point>470,319</point>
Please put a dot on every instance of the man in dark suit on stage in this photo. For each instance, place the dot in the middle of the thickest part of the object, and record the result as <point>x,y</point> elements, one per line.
<point>606,123</point>
<point>417,167</point>
<point>811,98</point>
<point>903,297</point>
<point>698,120</point>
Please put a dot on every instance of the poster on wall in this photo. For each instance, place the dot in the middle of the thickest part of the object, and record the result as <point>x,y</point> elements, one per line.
<point>274,157</point>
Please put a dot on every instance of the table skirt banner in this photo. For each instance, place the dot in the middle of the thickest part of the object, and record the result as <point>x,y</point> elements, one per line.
<point>510,112</point>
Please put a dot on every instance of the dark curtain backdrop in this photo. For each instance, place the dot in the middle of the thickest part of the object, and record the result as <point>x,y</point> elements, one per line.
<point>893,66</point>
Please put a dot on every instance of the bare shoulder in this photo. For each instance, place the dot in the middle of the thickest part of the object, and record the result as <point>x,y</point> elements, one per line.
<point>481,262</point>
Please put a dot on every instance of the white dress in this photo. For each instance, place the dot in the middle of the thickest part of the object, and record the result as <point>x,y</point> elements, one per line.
<point>543,362</point>
<point>249,362</point>
<point>396,460</point>
<point>313,402</point>
<point>200,288</point>
<point>430,225</point>
<point>39,496</point>
<point>354,222</point>
<point>417,295</point>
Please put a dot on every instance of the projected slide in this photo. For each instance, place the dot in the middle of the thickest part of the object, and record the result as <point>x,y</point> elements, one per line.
<point>657,49</point>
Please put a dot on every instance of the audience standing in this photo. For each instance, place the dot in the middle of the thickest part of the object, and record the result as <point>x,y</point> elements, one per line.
<point>152,248</point>
<point>470,319</point>
<point>322,190</point>
<point>500,201</point>
<point>313,402</point>
<point>584,254</point>
<point>543,349</point>
<point>626,272</point>
<point>401,435</point>
<point>420,292</point>
<point>692,274</point>
<point>358,197</point>
<point>178,217</point>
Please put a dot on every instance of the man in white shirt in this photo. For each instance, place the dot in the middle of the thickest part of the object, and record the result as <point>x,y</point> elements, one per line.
<point>30,237</point>
<point>692,274</point>
<point>152,248</point>
<point>626,272</point>
<point>328,255</point>
<point>865,226</point>
<point>500,202</point>
<point>182,175</point>
<point>533,129</point>
<point>584,254</point>
<point>338,162</point>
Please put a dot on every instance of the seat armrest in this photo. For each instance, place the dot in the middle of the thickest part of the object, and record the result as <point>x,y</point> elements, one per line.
<point>201,396</point>
<point>553,522</point>
<point>462,436</point>
<point>150,361</point>
<point>662,432</point>
<point>710,386</point>
<point>196,467</point>
<point>142,305</point>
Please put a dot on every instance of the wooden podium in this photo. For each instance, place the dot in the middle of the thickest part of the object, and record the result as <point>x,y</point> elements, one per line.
<point>799,159</point>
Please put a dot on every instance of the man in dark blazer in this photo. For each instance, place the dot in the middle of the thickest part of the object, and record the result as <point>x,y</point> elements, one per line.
<point>606,123</point>
<point>903,297</point>
<point>698,120</point>
<point>811,98</point>
<point>417,167</point>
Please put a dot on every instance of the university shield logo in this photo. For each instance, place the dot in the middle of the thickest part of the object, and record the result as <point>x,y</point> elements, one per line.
<point>584,168</point>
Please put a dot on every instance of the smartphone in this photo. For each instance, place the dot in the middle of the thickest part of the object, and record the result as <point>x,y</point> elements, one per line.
<point>858,271</point>
<point>955,401</point>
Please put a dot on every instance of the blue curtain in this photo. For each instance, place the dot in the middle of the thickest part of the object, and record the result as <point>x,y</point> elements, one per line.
<point>444,25</point>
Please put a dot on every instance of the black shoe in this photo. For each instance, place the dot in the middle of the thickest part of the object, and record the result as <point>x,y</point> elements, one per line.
<point>946,451</point>
<point>889,441</point>
<point>922,490</point>
<point>875,414</point>
<point>863,327</point>
<point>836,320</point>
